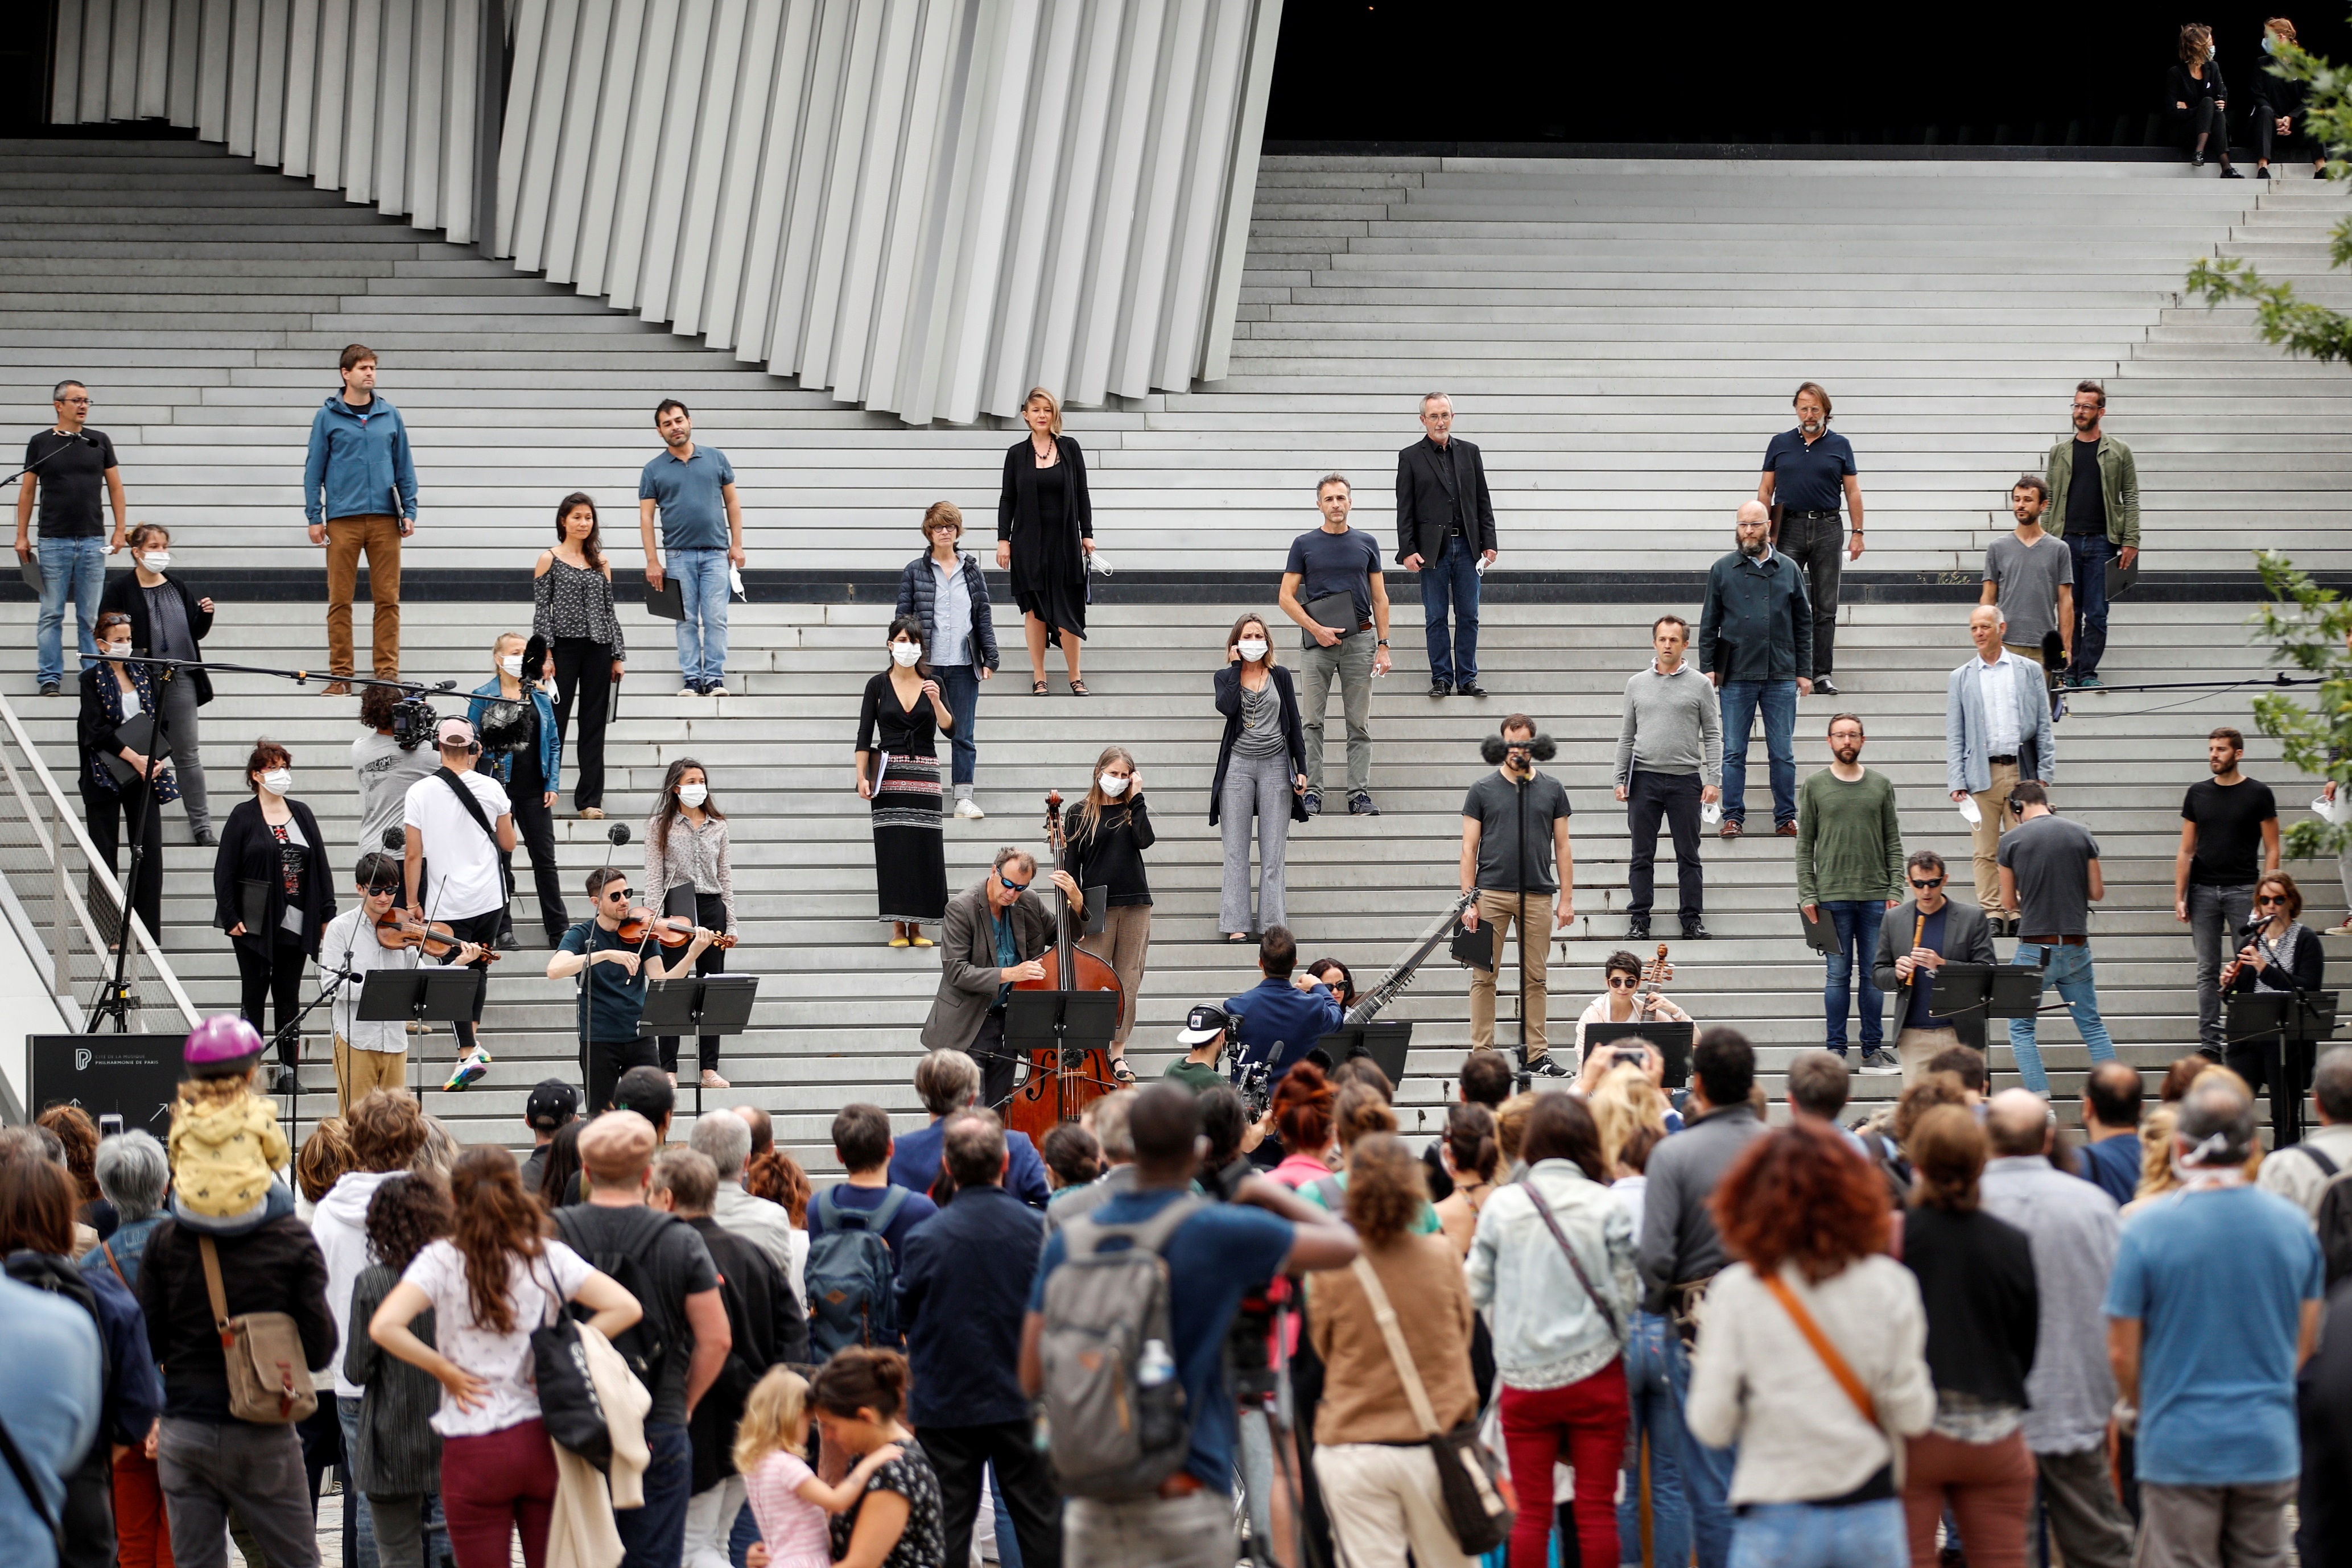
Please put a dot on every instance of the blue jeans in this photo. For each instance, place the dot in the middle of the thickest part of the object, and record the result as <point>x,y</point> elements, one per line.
<point>1804,1536</point>
<point>702,637</point>
<point>654,1536</point>
<point>1741,699</point>
<point>69,566</point>
<point>358,1525</point>
<point>2091,552</point>
<point>741,1539</point>
<point>1450,582</point>
<point>1650,1391</point>
<point>1706,1472</point>
<point>960,684</point>
<point>2069,969</point>
<point>1857,922</point>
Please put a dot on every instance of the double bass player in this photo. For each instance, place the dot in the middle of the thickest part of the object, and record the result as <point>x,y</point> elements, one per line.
<point>996,931</point>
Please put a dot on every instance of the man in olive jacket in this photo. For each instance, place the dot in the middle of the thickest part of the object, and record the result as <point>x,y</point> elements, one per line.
<point>995,932</point>
<point>1756,644</point>
<point>2098,521</point>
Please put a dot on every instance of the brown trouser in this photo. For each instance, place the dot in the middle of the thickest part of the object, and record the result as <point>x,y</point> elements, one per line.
<point>1496,911</point>
<point>358,1071</point>
<point>1123,942</point>
<point>378,536</point>
<point>1915,1048</point>
<point>1996,816</point>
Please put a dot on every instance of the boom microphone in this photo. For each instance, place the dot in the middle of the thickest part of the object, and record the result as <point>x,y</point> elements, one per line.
<point>617,835</point>
<point>396,840</point>
<point>1494,748</point>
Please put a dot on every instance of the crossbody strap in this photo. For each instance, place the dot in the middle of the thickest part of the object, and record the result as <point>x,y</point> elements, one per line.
<point>465,795</point>
<point>108,1248</point>
<point>1399,1355</point>
<point>213,1288</point>
<point>1836,1364</point>
<point>1543,1211</point>
<point>25,1482</point>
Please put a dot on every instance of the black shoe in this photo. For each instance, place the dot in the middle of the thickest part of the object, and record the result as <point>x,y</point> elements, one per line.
<point>2229,173</point>
<point>1313,801</point>
<point>1637,927</point>
<point>49,688</point>
<point>1824,687</point>
<point>506,940</point>
<point>1544,1066</point>
<point>283,1080</point>
<point>2197,159</point>
<point>2262,172</point>
<point>206,835</point>
<point>1360,805</point>
<point>1469,689</point>
<point>1695,929</point>
<point>1441,689</point>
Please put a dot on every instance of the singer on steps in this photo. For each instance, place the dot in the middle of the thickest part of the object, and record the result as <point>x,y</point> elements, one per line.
<point>1513,829</point>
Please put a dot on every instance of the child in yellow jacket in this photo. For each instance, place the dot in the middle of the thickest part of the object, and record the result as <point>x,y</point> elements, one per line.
<point>225,1144</point>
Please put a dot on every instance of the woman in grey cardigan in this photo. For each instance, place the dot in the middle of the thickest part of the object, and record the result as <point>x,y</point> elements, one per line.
<point>396,1461</point>
<point>945,590</point>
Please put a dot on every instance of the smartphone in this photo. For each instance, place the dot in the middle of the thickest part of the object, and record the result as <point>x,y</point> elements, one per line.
<point>109,1124</point>
<point>1622,1056</point>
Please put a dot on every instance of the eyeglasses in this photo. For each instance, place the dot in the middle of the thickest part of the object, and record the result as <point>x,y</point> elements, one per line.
<point>623,894</point>
<point>1623,982</point>
<point>1931,883</point>
<point>2271,898</point>
<point>1016,886</point>
<point>83,401</point>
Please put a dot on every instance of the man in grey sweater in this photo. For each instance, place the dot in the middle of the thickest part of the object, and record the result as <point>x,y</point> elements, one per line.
<point>1680,1250</point>
<point>1669,764</point>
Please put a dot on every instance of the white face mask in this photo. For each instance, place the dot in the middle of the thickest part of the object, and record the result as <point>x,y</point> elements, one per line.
<point>693,794</point>
<point>1252,648</point>
<point>115,649</point>
<point>157,560</point>
<point>1113,785</point>
<point>906,654</point>
<point>2270,42</point>
<point>279,781</point>
<point>512,664</point>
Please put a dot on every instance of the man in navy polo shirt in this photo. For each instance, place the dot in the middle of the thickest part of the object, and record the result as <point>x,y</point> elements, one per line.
<point>1805,472</point>
<point>1279,1012</point>
<point>693,488</point>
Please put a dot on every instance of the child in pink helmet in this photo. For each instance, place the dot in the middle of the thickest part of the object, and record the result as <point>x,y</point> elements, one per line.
<point>225,1144</point>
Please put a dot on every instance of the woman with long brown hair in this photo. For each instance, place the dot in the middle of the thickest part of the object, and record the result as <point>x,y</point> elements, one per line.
<point>494,1279</point>
<point>1261,773</point>
<point>1812,1307</point>
<point>1045,532</point>
<point>571,617</point>
<point>2199,100</point>
<point>1107,833</point>
<point>686,848</point>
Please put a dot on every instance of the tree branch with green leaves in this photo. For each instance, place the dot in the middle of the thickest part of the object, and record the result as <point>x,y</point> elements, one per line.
<point>2309,628</point>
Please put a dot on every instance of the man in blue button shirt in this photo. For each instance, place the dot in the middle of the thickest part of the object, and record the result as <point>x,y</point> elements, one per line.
<point>1282,1019</point>
<point>1806,470</point>
<point>693,488</point>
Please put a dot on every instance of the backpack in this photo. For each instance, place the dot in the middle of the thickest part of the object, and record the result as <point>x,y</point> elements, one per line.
<point>851,1278</point>
<point>645,1344</point>
<point>2333,1219</point>
<point>1115,1409</point>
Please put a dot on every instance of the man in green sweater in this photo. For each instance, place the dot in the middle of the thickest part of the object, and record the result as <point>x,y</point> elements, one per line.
<point>1850,872</point>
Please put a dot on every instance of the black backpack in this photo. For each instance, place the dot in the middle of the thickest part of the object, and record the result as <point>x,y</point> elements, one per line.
<point>617,1251</point>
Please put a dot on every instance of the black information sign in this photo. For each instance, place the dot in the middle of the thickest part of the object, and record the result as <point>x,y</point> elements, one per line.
<point>133,1076</point>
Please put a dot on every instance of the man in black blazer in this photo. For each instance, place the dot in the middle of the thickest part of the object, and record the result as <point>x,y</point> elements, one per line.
<point>1445,532</point>
<point>1917,938</point>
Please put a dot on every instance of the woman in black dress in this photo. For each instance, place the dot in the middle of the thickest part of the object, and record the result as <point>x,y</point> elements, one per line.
<point>898,770</point>
<point>273,893</point>
<point>113,695</point>
<point>1045,532</point>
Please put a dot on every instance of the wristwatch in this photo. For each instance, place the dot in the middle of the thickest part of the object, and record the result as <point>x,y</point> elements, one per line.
<point>1381,642</point>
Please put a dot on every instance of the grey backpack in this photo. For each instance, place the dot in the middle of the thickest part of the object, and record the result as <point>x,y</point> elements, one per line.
<point>1114,1406</point>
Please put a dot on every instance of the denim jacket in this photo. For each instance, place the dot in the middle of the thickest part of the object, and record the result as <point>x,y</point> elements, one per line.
<point>1548,1335</point>
<point>356,462</point>
<point>500,764</point>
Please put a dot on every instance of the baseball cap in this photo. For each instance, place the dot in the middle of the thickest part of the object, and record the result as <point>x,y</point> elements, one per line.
<point>553,1104</point>
<point>454,733</point>
<point>1204,1023</point>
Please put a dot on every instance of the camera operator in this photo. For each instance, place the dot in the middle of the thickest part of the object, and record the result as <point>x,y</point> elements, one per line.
<point>1514,825</point>
<point>1215,1256</point>
<point>385,763</point>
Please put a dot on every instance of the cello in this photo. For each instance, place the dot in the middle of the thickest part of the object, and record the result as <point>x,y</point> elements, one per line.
<point>1063,1082</point>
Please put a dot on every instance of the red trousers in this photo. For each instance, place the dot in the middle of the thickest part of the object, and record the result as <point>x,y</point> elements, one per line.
<point>1583,1422</point>
<point>143,1535</point>
<point>494,1487</point>
<point>1989,1487</point>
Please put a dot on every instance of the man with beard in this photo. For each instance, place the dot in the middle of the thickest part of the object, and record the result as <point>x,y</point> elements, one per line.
<point>1756,644</point>
<point>2228,841</point>
<point>1850,872</point>
<point>1807,471</point>
<point>2094,507</point>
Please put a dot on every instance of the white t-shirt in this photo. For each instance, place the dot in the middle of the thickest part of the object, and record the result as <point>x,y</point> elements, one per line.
<point>502,1361</point>
<point>461,861</point>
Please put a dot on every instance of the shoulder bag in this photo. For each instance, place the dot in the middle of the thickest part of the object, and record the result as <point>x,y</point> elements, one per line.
<point>1479,1501</point>
<point>1839,1369</point>
<point>269,1373</point>
<point>568,1404</point>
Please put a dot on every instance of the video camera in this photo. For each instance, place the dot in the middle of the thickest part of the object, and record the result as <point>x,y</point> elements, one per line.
<point>1254,1080</point>
<point>413,721</point>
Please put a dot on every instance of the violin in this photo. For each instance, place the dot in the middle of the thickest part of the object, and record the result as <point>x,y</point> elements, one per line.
<point>397,929</point>
<point>669,930</point>
<point>1061,1083</point>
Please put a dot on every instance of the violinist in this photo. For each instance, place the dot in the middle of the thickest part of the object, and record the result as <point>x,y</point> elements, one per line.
<point>1628,998</point>
<point>995,933</point>
<point>271,895</point>
<point>369,1053</point>
<point>617,969</point>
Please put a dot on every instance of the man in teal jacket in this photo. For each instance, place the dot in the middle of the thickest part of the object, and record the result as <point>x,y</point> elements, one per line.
<point>359,492</point>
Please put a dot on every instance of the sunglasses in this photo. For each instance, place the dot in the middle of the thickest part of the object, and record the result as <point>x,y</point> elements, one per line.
<point>622,894</point>
<point>1623,982</point>
<point>1932,882</point>
<point>2270,898</point>
<point>1016,886</point>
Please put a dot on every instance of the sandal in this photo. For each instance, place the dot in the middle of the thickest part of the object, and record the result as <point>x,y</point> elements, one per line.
<point>1037,688</point>
<point>1079,688</point>
<point>1121,1071</point>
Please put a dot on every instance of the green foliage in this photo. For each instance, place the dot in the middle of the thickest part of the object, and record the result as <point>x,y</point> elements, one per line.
<point>2307,627</point>
<point>2300,327</point>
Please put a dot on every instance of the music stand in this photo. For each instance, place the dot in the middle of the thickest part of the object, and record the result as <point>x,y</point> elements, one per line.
<point>1673,1042</point>
<point>1068,1022</point>
<point>1388,1045</point>
<point>699,1005</point>
<point>417,995</point>
<point>2287,1027</point>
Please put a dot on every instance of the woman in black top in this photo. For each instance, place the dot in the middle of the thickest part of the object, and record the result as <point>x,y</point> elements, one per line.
<point>2199,99</point>
<point>170,620</point>
<point>1107,833</point>
<point>2278,110</point>
<point>1045,532</point>
<point>113,695</point>
<point>572,615</point>
<point>1260,773</point>
<point>1976,1281</point>
<point>897,1522</point>
<point>899,773</point>
<point>2277,954</point>
<point>273,893</point>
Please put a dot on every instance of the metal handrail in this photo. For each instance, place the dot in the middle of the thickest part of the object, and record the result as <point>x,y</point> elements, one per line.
<point>64,824</point>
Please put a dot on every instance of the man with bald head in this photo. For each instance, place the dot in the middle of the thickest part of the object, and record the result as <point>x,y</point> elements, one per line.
<point>1996,735</point>
<point>2073,1226</point>
<point>764,1128</point>
<point>1756,644</point>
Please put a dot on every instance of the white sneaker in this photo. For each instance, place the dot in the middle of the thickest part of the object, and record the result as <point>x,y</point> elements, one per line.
<point>689,694</point>
<point>720,689</point>
<point>969,809</point>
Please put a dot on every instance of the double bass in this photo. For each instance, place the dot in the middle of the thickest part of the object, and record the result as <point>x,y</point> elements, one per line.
<point>1061,1083</point>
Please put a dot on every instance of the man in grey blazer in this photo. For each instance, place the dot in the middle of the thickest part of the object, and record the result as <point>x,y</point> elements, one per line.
<point>996,930</point>
<point>1915,940</point>
<point>1996,733</point>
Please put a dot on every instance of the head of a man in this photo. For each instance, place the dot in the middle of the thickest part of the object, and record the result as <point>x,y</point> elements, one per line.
<point>2028,498</point>
<point>2331,1086</point>
<point>551,1105</point>
<point>376,879</point>
<point>946,1081</point>
<point>1110,1120</point>
<point>725,1142</point>
<point>861,1139</point>
<point>358,367</point>
<point>1812,406</point>
<point>71,401</point>
<point>1164,1125</point>
<point>1277,952</point>
<point>386,1128</point>
<point>1927,875</point>
<point>673,423</point>
<point>2090,407</point>
<point>972,1148</point>
<point>1437,416</point>
<point>648,1093</point>
<point>2030,799</point>
<point>1485,1079</point>
<point>1751,526</point>
<point>458,744</point>
<point>1986,625</point>
<point>1965,1066</point>
<point>2018,1121</point>
<point>2216,1128</point>
<point>1669,640</point>
<point>1845,739</point>
<point>1010,877</point>
<point>2223,747</point>
<point>684,1181</point>
<point>1722,1068</point>
<point>2112,1095</point>
<point>762,1126</point>
<point>1334,498</point>
<point>616,1154</point>
<point>1819,1083</point>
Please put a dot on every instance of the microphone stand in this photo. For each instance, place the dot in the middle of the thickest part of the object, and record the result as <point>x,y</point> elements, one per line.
<point>115,1002</point>
<point>37,462</point>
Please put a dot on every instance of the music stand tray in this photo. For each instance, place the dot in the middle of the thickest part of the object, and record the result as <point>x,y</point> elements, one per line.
<point>699,1005</point>
<point>1389,1044</point>
<point>426,992</point>
<point>1672,1040</point>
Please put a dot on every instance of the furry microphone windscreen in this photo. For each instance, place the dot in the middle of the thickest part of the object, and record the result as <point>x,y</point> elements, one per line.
<point>1494,748</point>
